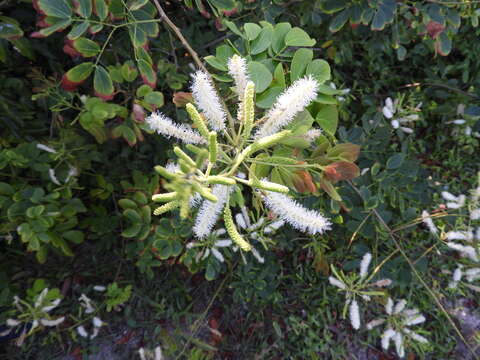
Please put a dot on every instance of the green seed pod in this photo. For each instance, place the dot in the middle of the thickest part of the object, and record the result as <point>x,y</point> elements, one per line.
<point>197,120</point>
<point>204,192</point>
<point>165,173</point>
<point>182,155</point>
<point>214,179</point>
<point>270,186</point>
<point>166,197</point>
<point>232,230</point>
<point>212,146</point>
<point>167,207</point>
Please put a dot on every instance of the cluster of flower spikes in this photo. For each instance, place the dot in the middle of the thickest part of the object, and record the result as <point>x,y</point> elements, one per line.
<point>210,178</point>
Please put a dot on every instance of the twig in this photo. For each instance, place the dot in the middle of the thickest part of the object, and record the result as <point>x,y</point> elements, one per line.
<point>179,35</point>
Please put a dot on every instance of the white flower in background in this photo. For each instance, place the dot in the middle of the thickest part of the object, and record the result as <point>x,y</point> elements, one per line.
<point>397,321</point>
<point>287,209</point>
<point>166,127</point>
<point>356,287</point>
<point>208,101</point>
<point>292,101</point>
<point>342,92</point>
<point>87,303</point>
<point>99,288</point>
<point>312,134</point>
<point>210,211</point>
<point>252,232</point>
<point>427,220</point>
<point>46,148</point>
<point>404,117</point>
<point>146,354</point>
<point>454,202</point>
<point>72,172</point>
<point>53,176</point>
<point>97,323</point>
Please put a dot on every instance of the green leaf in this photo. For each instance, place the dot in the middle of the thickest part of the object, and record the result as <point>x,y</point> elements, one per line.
<point>101,9</point>
<point>215,63</point>
<point>327,118</point>
<point>132,230</point>
<point>147,72</point>
<point>136,4</point>
<point>56,8</point>
<point>223,4</point>
<point>267,99</point>
<point>129,71</point>
<point>78,30</point>
<point>102,82</point>
<point>143,90</point>
<point>278,39</point>
<point>9,30</point>
<point>155,98</point>
<point>234,28</point>
<point>262,42</point>
<point>443,44</point>
<point>6,189</point>
<point>84,8</point>
<point>301,58</point>
<point>80,72</point>
<point>279,76</point>
<point>260,75</point>
<point>74,236</point>
<point>57,24</point>
<point>298,37</point>
<point>395,161</point>
<point>332,6</point>
<point>339,20</point>
<point>251,31</point>
<point>384,15</point>
<point>86,47</point>
<point>319,69</point>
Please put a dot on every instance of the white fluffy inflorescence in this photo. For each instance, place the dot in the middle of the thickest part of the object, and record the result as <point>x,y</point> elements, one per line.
<point>208,101</point>
<point>427,220</point>
<point>397,330</point>
<point>237,68</point>
<point>166,127</point>
<point>210,211</point>
<point>292,101</point>
<point>300,218</point>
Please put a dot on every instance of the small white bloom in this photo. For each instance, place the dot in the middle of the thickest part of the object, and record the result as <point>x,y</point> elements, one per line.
<point>274,226</point>
<point>449,196</point>
<point>312,134</point>
<point>337,283</point>
<point>209,212</point>
<point>158,353</point>
<point>208,101</point>
<point>395,124</point>
<point>300,218</point>
<point>364,171</point>
<point>13,322</point>
<point>389,306</point>
<point>475,214</point>
<point>217,254</point>
<point>292,101</point>
<point>46,322</point>
<point>46,148</point>
<point>81,331</point>
<point>398,339</point>
<point>97,322</point>
<point>457,274</point>
<point>459,235</point>
<point>53,177</point>
<point>427,220</point>
<point>406,130</point>
<point>400,306</point>
<point>374,323</point>
<point>415,320</point>
<point>52,305</point>
<point>354,315</point>
<point>223,243</point>
<point>239,219</point>
<point>415,336</point>
<point>99,288</point>
<point>386,337</point>
<point>166,127</point>
<point>257,256</point>
<point>365,263</point>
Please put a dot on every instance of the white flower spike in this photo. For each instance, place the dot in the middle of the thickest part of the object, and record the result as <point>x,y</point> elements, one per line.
<point>166,127</point>
<point>208,101</point>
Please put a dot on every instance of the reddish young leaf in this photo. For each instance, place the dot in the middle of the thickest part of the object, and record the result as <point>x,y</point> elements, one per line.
<point>434,29</point>
<point>181,98</point>
<point>341,170</point>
